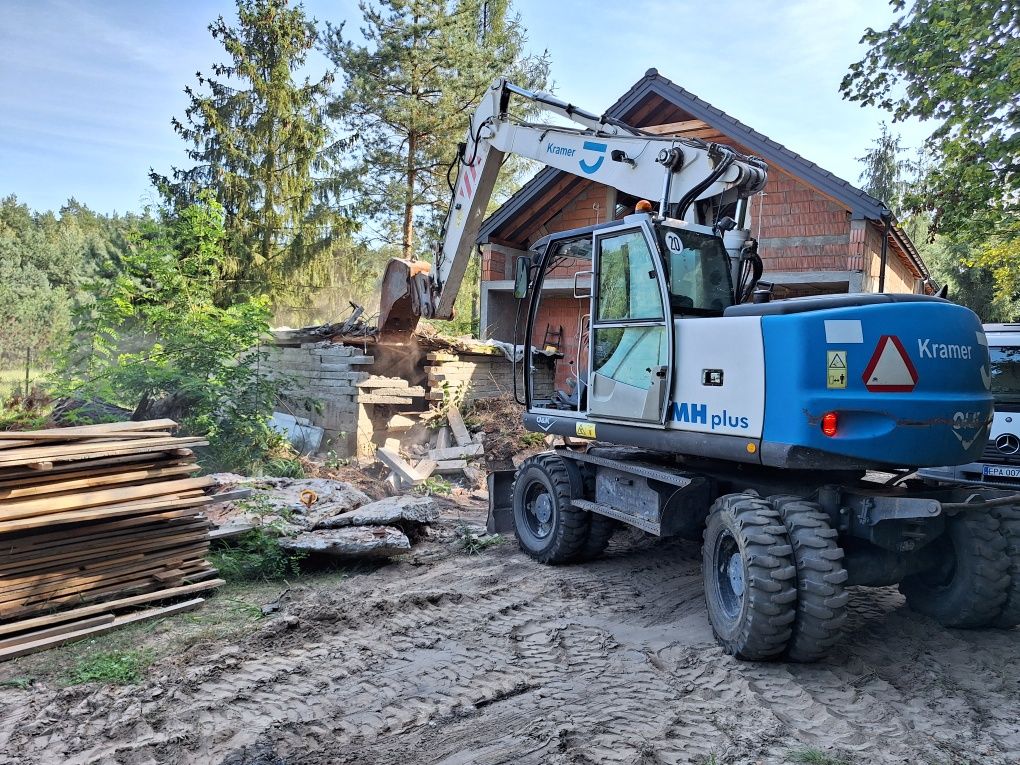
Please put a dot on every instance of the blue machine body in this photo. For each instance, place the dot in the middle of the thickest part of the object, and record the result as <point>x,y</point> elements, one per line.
<point>908,383</point>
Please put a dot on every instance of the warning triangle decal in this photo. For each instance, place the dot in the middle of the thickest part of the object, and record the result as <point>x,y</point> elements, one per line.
<point>890,369</point>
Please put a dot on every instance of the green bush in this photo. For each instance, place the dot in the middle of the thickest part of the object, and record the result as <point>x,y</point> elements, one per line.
<point>256,556</point>
<point>155,335</point>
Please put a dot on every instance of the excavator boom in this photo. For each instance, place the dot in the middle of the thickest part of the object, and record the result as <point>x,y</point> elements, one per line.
<point>675,172</point>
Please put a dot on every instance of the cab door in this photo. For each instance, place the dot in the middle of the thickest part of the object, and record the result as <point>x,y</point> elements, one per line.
<point>630,356</point>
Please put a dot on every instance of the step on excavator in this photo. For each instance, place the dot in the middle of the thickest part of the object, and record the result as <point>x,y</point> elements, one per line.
<point>783,434</point>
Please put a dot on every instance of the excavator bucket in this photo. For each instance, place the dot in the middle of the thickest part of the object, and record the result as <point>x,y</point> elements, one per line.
<point>406,297</point>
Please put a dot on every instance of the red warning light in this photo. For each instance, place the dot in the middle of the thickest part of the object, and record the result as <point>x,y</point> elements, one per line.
<point>829,423</point>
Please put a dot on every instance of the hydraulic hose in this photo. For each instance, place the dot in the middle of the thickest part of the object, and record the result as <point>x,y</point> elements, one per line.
<point>727,159</point>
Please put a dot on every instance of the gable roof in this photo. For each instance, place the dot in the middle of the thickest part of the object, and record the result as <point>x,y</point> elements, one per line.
<point>652,85</point>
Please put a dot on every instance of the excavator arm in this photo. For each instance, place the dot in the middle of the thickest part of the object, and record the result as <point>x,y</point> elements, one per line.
<point>676,172</point>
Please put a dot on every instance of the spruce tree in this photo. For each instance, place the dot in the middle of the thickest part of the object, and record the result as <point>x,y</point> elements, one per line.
<point>263,143</point>
<point>410,92</point>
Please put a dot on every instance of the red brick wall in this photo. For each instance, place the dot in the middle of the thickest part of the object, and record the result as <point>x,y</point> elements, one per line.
<point>494,265</point>
<point>579,212</point>
<point>790,208</point>
<point>560,310</point>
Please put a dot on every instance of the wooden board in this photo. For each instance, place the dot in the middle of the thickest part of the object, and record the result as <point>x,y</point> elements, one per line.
<point>120,621</point>
<point>53,631</point>
<point>27,508</point>
<point>65,485</point>
<point>92,514</point>
<point>109,605</point>
<point>91,430</point>
<point>8,475</point>
<point>68,452</point>
<point>91,470</point>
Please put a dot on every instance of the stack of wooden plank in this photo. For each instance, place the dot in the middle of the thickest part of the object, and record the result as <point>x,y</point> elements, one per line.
<point>95,520</point>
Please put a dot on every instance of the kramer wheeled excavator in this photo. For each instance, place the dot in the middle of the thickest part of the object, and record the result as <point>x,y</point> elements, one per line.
<point>699,407</point>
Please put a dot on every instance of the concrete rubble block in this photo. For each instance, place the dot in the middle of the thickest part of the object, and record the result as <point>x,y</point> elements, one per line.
<point>351,542</point>
<point>445,467</point>
<point>330,497</point>
<point>368,398</point>
<point>477,476</point>
<point>326,348</point>
<point>400,422</point>
<point>460,432</point>
<point>456,452</point>
<point>405,472</point>
<point>386,512</point>
<point>424,468</point>
<point>379,381</point>
<point>415,391</point>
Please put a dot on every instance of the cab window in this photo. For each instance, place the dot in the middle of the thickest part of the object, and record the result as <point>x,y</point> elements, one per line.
<point>699,272</point>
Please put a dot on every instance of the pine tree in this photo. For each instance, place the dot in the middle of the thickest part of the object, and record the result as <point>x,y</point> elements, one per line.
<point>410,93</point>
<point>886,175</point>
<point>263,143</point>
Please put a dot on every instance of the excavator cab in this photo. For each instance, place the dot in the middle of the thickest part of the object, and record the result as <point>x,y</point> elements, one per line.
<point>617,288</point>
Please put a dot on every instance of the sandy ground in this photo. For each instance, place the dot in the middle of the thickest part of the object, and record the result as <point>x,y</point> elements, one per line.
<point>494,659</point>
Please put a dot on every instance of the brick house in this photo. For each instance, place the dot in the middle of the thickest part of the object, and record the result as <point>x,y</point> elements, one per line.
<point>817,233</point>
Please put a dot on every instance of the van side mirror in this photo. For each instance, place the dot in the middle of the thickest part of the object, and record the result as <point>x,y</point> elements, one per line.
<point>522,277</point>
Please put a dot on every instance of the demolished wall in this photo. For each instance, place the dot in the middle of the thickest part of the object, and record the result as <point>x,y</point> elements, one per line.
<point>320,382</point>
<point>364,396</point>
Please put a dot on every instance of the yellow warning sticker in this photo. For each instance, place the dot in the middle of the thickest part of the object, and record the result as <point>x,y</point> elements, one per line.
<point>835,369</point>
<point>586,429</point>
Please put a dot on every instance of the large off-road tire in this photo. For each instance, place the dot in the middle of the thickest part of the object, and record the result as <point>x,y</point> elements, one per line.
<point>600,530</point>
<point>821,597</point>
<point>749,577</point>
<point>1009,526</point>
<point>548,527</point>
<point>972,584</point>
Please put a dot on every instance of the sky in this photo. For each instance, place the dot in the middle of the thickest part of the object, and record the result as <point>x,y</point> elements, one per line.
<point>88,87</point>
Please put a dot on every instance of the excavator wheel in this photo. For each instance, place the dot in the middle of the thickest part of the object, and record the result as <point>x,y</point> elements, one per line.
<point>600,531</point>
<point>971,586</point>
<point>548,527</point>
<point>821,597</point>
<point>1009,525</point>
<point>750,577</point>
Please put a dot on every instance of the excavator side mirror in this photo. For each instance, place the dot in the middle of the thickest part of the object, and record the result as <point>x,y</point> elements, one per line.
<point>522,277</point>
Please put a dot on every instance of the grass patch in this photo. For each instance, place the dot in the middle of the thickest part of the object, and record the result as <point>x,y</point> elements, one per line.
<point>255,556</point>
<point>21,683</point>
<point>113,668</point>
<point>811,756</point>
<point>434,485</point>
<point>475,544</point>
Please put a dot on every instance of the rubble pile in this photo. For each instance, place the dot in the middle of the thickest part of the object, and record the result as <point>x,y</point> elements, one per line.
<point>325,516</point>
<point>449,450</point>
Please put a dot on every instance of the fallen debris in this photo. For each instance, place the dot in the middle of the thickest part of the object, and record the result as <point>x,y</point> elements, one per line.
<point>456,452</point>
<point>350,542</point>
<point>390,511</point>
<point>406,473</point>
<point>460,432</point>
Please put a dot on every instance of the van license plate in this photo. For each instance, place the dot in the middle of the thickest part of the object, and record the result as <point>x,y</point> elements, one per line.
<point>1001,471</point>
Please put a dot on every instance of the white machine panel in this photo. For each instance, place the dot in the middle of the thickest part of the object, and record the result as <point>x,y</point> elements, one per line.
<point>719,377</point>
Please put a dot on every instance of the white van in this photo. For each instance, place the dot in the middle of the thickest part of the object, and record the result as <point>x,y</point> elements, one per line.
<point>1000,462</point>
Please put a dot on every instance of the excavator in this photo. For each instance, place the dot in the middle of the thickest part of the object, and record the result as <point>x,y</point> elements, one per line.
<point>782,434</point>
